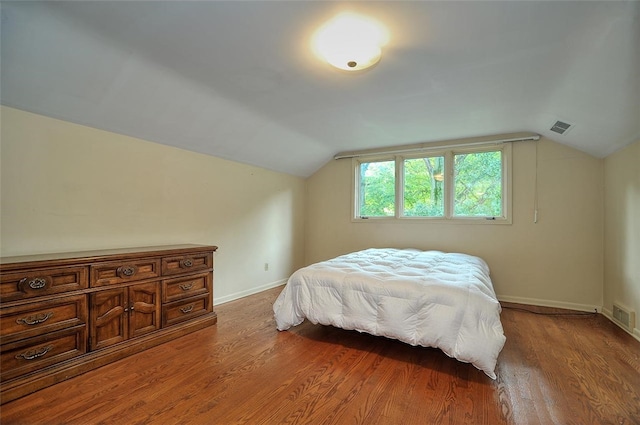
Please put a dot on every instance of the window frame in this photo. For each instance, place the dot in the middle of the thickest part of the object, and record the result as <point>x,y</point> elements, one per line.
<point>448,185</point>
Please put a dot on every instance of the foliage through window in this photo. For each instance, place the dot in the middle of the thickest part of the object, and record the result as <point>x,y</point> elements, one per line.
<point>447,184</point>
<point>478,184</point>
<point>377,189</point>
<point>424,187</point>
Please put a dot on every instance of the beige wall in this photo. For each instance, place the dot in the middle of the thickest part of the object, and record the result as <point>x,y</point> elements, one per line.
<point>66,187</point>
<point>622,230</point>
<point>556,262</point>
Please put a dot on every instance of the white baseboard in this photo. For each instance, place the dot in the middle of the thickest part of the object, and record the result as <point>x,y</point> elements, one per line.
<point>549,303</point>
<point>242,294</point>
<point>609,315</point>
<point>570,306</point>
<point>518,300</point>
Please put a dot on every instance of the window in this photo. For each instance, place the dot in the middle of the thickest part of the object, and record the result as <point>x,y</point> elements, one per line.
<point>452,184</point>
<point>423,188</point>
<point>377,189</point>
<point>478,184</point>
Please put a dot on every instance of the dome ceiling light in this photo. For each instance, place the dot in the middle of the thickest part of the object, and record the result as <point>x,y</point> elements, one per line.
<point>350,42</point>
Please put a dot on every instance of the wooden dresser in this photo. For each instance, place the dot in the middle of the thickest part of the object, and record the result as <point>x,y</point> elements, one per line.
<point>64,314</point>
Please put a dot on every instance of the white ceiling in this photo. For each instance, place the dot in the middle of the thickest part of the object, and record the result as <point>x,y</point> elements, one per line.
<point>237,79</point>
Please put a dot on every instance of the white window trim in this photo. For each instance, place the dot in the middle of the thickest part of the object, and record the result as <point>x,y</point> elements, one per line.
<point>449,218</point>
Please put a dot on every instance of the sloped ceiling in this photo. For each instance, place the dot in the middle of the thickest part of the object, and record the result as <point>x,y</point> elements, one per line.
<point>237,79</point>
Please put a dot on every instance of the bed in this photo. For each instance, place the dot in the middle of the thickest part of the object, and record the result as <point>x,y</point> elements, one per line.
<point>425,298</point>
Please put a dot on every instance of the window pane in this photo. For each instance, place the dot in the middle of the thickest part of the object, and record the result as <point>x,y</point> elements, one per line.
<point>423,187</point>
<point>478,184</point>
<point>377,189</point>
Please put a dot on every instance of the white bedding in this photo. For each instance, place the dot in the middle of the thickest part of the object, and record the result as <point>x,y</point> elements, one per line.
<point>426,298</point>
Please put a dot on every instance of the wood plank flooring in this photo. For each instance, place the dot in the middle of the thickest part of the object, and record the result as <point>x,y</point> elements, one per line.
<point>553,370</point>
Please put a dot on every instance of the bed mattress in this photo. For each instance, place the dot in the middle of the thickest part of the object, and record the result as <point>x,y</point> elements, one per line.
<point>425,298</point>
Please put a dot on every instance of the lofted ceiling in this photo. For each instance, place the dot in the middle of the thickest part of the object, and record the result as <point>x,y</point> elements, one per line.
<point>238,80</point>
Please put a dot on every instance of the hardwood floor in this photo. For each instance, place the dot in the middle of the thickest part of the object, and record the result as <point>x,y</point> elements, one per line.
<point>552,370</point>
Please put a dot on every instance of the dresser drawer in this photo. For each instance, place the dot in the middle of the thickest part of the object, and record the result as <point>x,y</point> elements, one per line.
<point>186,287</point>
<point>38,318</point>
<point>37,282</point>
<point>28,355</point>
<point>184,310</point>
<point>187,263</point>
<point>103,274</point>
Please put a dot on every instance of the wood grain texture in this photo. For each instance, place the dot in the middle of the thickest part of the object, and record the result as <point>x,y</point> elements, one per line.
<point>552,370</point>
<point>119,294</point>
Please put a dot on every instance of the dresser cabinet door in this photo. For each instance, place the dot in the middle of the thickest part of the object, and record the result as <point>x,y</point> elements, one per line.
<point>145,308</point>
<point>123,313</point>
<point>109,317</point>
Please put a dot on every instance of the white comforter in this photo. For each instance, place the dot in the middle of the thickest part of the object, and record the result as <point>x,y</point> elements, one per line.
<point>426,298</point>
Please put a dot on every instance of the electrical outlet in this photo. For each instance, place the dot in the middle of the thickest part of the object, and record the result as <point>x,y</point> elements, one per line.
<point>266,267</point>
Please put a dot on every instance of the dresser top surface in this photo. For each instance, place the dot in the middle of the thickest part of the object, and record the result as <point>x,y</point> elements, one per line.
<point>105,254</point>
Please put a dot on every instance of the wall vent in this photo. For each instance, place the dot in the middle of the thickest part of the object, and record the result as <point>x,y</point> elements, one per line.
<point>560,127</point>
<point>625,317</point>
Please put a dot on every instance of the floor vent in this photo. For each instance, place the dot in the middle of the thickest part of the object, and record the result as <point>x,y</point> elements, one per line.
<point>560,127</point>
<point>625,317</point>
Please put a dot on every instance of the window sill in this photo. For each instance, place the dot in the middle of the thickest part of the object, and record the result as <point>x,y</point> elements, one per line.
<point>434,220</point>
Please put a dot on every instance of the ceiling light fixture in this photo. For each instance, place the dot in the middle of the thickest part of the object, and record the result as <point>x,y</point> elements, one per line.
<point>350,42</point>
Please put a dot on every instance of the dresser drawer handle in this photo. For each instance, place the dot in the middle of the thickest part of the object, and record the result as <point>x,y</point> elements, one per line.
<point>34,354</point>
<point>126,271</point>
<point>36,319</point>
<point>187,309</point>
<point>35,283</point>
<point>186,286</point>
<point>186,263</point>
